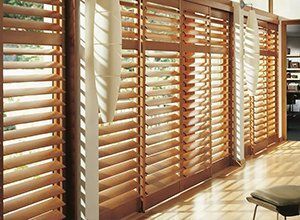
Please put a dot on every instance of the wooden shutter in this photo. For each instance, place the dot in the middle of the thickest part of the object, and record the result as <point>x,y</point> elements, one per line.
<point>173,126</point>
<point>220,109</point>
<point>206,89</point>
<point>272,83</point>
<point>196,90</point>
<point>259,101</point>
<point>119,140</point>
<point>162,21</point>
<point>264,122</point>
<point>162,104</point>
<point>247,120</point>
<point>33,110</point>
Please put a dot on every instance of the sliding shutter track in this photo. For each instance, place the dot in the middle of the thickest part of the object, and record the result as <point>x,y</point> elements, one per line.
<point>119,140</point>
<point>162,103</point>
<point>33,110</point>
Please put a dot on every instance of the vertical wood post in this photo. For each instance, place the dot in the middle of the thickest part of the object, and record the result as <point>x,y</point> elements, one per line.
<point>283,43</point>
<point>142,81</point>
<point>181,88</point>
<point>72,85</point>
<point>231,91</point>
<point>209,57</point>
<point>271,6</point>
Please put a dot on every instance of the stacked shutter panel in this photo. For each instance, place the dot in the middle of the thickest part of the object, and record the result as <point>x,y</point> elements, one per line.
<point>118,145</point>
<point>119,140</point>
<point>196,90</point>
<point>34,110</point>
<point>162,96</point>
<point>162,118</point>
<point>259,132</point>
<point>219,39</point>
<point>264,104</point>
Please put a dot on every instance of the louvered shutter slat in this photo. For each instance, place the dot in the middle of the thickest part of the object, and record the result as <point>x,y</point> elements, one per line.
<point>33,107</point>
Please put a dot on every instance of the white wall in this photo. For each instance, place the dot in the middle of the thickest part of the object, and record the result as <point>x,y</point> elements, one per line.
<point>260,4</point>
<point>287,8</point>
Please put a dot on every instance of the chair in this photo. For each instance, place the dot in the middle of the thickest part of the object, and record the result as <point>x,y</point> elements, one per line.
<point>284,200</point>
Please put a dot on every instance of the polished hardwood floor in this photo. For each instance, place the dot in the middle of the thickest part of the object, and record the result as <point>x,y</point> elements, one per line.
<point>223,198</point>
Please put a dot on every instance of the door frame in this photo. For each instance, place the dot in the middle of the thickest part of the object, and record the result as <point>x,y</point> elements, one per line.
<point>283,47</point>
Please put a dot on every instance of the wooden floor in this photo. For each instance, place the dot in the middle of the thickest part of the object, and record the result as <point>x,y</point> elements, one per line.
<point>224,197</point>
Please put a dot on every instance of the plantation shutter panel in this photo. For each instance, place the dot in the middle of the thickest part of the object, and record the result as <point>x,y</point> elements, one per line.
<point>161,153</point>
<point>220,83</point>
<point>119,140</point>
<point>264,123</point>
<point>33,110</point>
<point>197,93</point>
<point>259,101</point>
<point>173,125</point>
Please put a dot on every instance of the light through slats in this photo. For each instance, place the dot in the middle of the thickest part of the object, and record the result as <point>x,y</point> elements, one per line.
<point>162,119</point>
<point>33,110</point>
<point>173,124</point>
<point>264,122</point>
<point>220,81</point>
<point>119,140</point>
<point>197,92</point>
